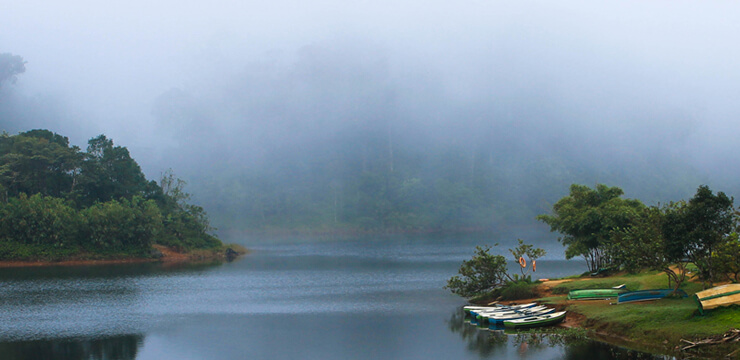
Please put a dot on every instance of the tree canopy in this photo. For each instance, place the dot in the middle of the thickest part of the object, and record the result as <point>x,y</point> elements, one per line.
<point>697,228</point>
<point>623,233</point>
<point>57,201</point>
<point>586,219</point>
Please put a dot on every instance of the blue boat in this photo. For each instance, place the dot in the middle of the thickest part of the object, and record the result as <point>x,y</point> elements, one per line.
<point>647,295</point>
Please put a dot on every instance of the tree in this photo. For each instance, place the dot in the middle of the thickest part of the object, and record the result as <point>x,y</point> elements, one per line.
<point>38,161</point>
<point>109,172</point>
<point>696,229</point>
<point>586,219</point>
<point>10,66</point>
<point>479,275</point>
<point>185,225</point>
<point>530,251</point>
<point>644,245</point>
<point>122,226</point>
<point>29,224</point>
<point>727,258</point>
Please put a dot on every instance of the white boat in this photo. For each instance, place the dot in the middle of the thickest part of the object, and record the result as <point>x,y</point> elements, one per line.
<point>485,313</point>
<point>477,309</point>
<point>486,316</point>
<point>500,318</point>
<point>534,308</point>
<point>536,321</point>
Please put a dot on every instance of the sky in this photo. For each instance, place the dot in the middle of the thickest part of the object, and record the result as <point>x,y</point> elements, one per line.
<point>615,76</point>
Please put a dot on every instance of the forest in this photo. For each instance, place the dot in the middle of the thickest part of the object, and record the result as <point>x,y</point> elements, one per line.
<point>58,202</point>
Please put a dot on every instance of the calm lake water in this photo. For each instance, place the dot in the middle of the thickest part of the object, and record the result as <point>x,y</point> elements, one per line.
<point>370,298</point>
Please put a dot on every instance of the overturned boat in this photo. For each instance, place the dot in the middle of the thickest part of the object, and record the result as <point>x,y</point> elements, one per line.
<point>647,295</point>
<point>594,294</point>
<point>723,295</point>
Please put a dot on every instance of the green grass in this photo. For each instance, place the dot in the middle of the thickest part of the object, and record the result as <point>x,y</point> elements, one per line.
<point>661,324</point>
<point>639,281</point>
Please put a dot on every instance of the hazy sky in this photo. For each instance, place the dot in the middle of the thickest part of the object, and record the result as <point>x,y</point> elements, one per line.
<point>642,72</point>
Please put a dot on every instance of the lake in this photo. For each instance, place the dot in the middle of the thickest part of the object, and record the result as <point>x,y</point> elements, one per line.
<point>291,298</point>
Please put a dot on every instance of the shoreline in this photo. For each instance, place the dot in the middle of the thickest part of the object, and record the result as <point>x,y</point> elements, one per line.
<point>662,340</point>
<point>169,256</point>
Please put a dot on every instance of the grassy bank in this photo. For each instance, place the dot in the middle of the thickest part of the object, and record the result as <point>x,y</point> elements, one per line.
<point>656,326</point>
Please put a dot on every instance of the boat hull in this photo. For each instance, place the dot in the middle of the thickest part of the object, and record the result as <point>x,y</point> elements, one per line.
<point>647,295</point>
<point>475,310</point>
<point>536,321</point>
<point>486,316</point>
<point>500,320</point>
<point>723,295</point>
<point>594,294</point>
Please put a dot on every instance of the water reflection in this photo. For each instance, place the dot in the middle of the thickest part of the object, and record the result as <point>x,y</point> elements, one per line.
<point>328,300</point>
<point>83,301</point>
<point>122,347</point>
<point>483,342</point>
<point>103,271</point>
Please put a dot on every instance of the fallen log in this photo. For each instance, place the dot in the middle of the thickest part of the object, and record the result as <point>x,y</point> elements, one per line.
<point>732,335</point>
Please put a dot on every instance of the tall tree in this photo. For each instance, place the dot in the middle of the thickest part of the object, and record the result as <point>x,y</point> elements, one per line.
<point>644,245</point>
<point>38,161</point>
<point>699,227</point>
<point>586,219</point>
<point>109,172</point>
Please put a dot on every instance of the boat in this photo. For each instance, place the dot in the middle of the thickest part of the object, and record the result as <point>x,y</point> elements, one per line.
<point>476,309</point>
<point>483,315</point>
<point>500,318</point>
<point>536,321</point>
<point>718,296</point>
<point>647,295</point>
<point>591,294</point>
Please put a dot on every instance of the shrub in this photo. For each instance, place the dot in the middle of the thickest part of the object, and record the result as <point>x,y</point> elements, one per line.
<point>519,290</point>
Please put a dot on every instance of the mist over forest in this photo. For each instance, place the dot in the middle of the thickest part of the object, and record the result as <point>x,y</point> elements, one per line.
<point>432,116</point>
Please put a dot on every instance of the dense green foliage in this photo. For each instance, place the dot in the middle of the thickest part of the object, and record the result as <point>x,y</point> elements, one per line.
<point>483,273</point>
<point>644,246</point>
<point>586,219</point>
<point>700,227</point>
<point>57,201</point>
<point>611,232</point>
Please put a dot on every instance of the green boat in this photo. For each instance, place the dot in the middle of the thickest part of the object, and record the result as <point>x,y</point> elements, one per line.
<point>536,321</point>
<point>591,294</point>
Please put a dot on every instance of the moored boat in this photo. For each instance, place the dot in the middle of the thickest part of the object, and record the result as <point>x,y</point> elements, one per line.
<point>484,315</point>
<point>500,318</point>
<point>718,296</point>
<point>536,321</point>
<point>473,310</point>
<point>647,295</point>
<point>592,294</point>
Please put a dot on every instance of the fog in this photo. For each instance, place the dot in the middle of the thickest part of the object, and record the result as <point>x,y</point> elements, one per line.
<point>255,101</point>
